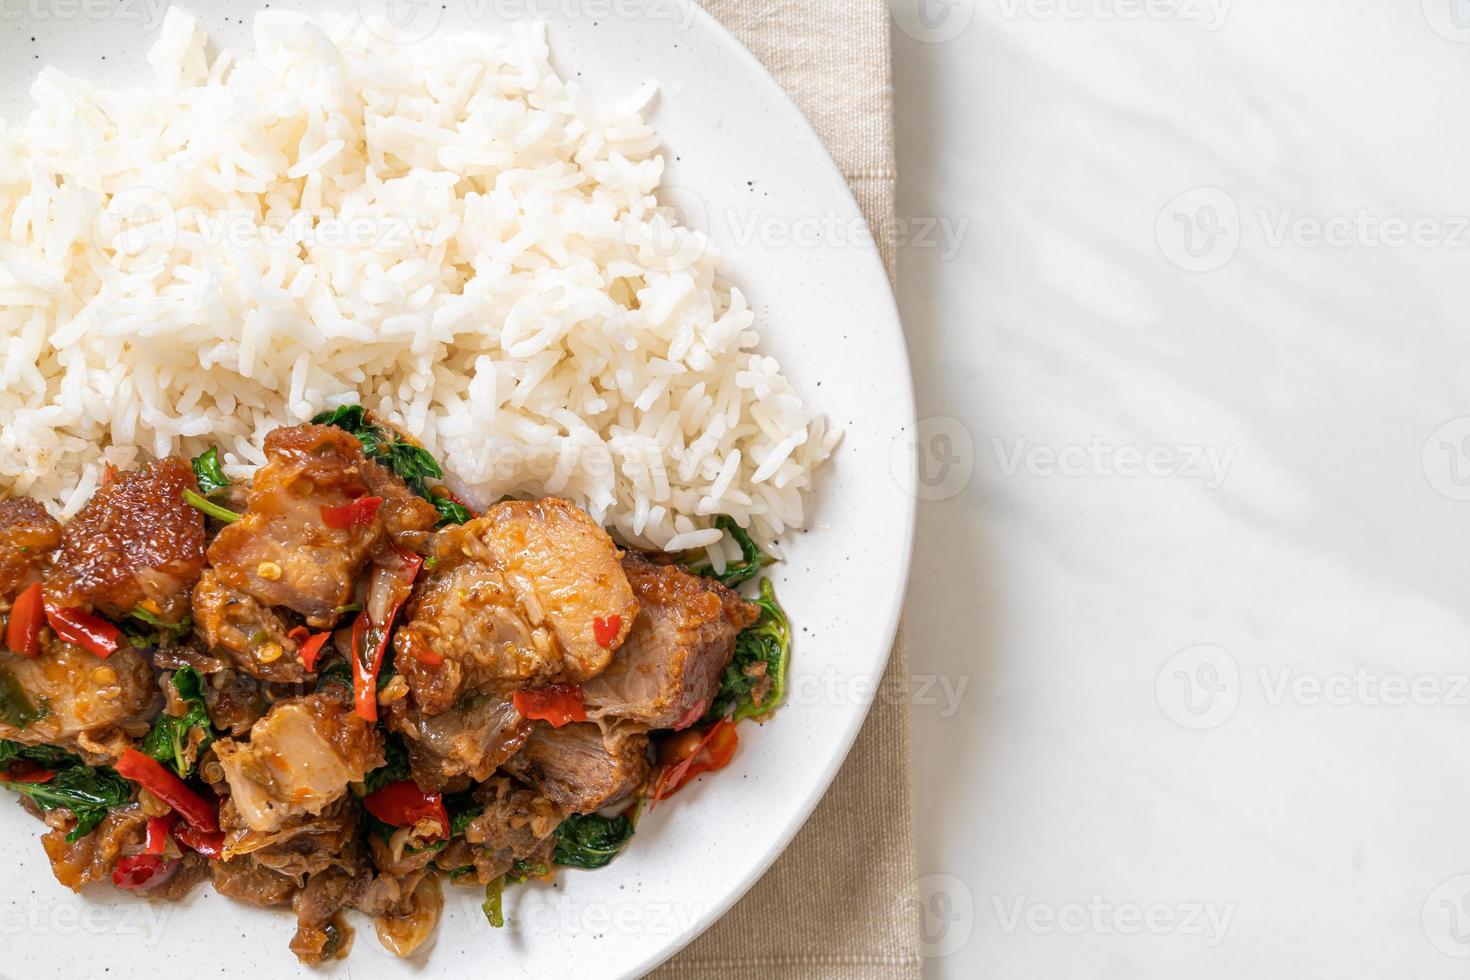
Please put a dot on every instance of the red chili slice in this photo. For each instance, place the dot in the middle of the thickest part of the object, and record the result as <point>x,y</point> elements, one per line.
<point>210,845</point>
<point>148,773</point>
<point>25,771</point>
<point>403,804</point>
<point>157,833</point>
<point>141,871</point>
<point>370,642</point>
<point>713,752</point>
<point>358,512</point>
<point>605,630</point>
<point>418,648</point>
<point>312,649</point>
<point>27,616</point>
<point>558,704</point>
<point>92,633</point>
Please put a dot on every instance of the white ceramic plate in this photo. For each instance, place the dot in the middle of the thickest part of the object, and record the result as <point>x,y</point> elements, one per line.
<point>746,166</point>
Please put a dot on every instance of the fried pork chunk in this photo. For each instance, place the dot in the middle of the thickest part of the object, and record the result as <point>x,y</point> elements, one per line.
<point>93,706</point>
<point>580,767</point>
<point>669,669</point>
<point>302,845</point>
<point>135,543</point>
<point>299,760</point>
<point>472,739</point>
<point>250,634</point>
<point>516,824</point>
<point>92,858</point>
<point>530,593</point>
<point>284,551</point>
<point>28,535</point>
<point>245,881</point>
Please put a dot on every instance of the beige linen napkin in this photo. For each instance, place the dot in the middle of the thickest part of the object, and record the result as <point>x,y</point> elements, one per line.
<point>841,902</point>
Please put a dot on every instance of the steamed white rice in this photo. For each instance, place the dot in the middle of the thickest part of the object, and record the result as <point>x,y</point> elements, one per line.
<point>447,231</point>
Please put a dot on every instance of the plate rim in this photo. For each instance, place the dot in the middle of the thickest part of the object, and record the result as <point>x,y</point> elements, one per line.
<point>908,421</point>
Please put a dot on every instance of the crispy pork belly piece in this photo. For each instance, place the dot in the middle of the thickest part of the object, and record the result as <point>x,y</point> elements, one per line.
<point>28,535</point>
<point>470,741</point>
<point>282,551</point>
<point>299,760</point>
<point>94,857</point>
<point>245,881</point>
<point>668,670</point>
<point>581,768</point>
<point>530,593</point>
<point>134,543</point>
<point>93,706</point>
<point>249,634</point>
<point>303,845</point>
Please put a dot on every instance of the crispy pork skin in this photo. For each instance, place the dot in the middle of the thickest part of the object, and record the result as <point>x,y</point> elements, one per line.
<point>93,707</point>
<point>283,552</point>
<point>28,535</point>
<point>299,760</point>
<point>530,593</point>
<point>135,543</point>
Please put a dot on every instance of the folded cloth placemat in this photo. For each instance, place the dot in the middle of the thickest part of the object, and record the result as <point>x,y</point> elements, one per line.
<point>841,902</point>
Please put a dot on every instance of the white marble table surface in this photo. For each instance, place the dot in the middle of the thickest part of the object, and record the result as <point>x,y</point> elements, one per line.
<point>1185,289</point>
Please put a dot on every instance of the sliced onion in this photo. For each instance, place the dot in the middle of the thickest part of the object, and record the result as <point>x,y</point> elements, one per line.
<point>382,592</point>
<point>404,930</point>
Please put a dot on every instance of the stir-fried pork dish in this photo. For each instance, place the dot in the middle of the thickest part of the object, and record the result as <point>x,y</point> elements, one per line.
<point>332,686</point>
